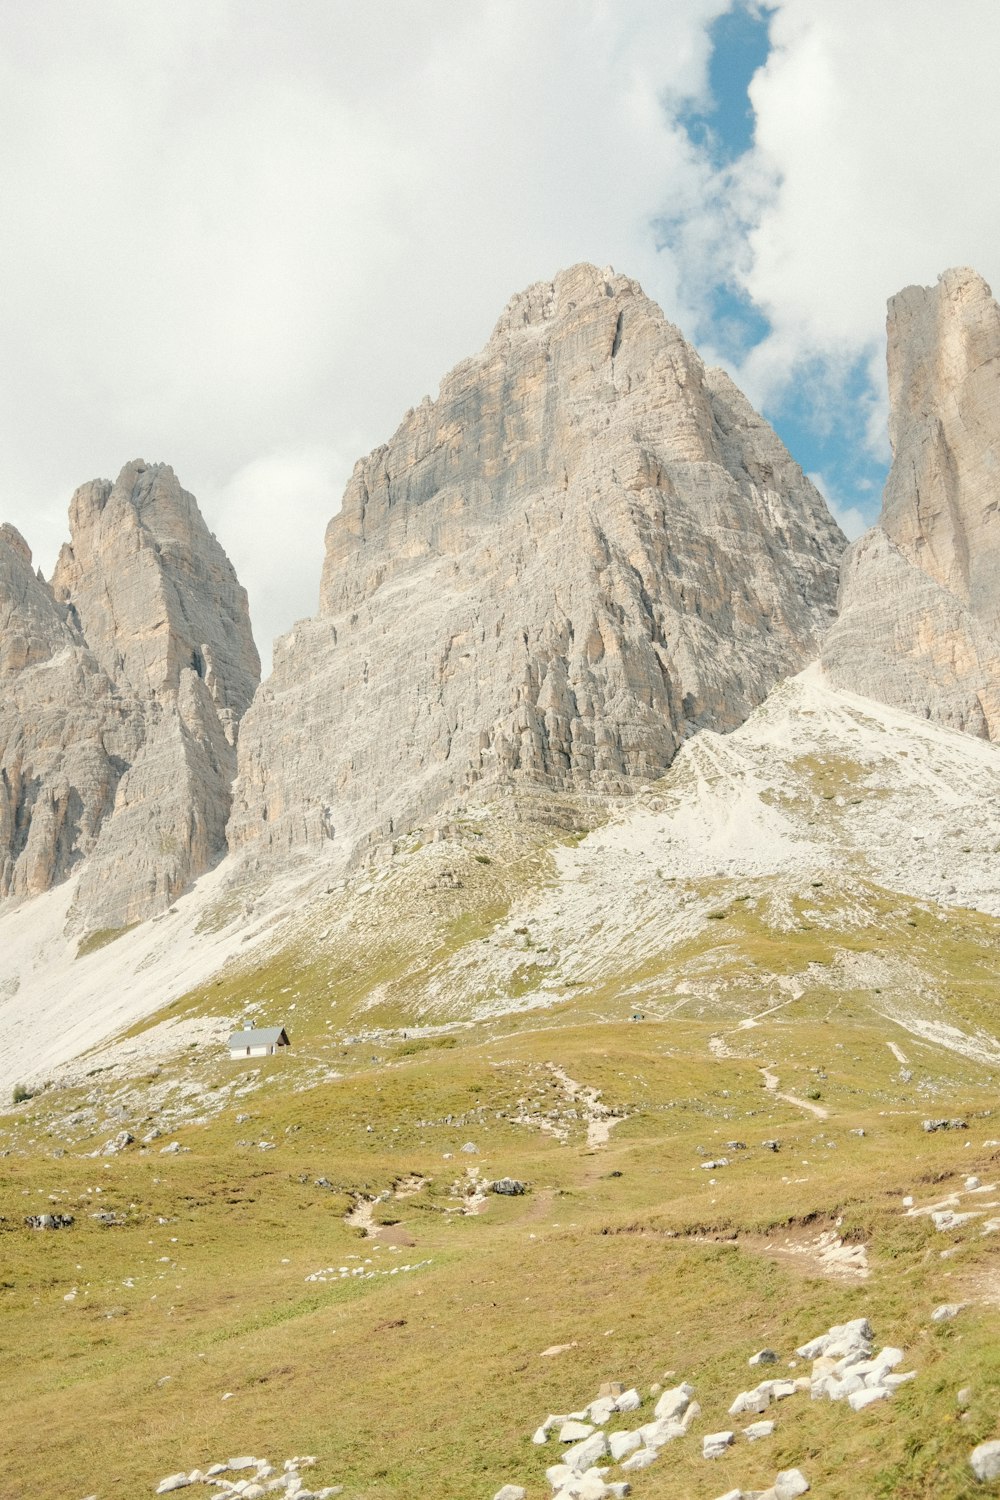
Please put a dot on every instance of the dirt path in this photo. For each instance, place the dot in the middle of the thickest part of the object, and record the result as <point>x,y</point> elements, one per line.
<point>362,1214</point>
<point>600,1119</point>
<point>772,1084</point>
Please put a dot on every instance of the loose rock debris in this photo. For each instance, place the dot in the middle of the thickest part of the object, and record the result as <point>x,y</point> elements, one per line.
<point>253,1479</point>
<point>845,1367</point>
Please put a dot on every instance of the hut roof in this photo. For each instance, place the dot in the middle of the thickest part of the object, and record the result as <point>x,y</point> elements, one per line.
<point>264,1036</point>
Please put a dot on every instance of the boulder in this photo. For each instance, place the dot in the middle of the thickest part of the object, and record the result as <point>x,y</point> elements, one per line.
<point>714,1444</point>
<point>586,1453</point>
<point>640,1460</point>
<point>758,1430</point>
<point>656,1434</point>
<point>985,1460</point>
<point>946,1310</point>
<point>511,1492</point>
<point>589,1486</point>
<point>693,1411</point>
<point>674,1402</point>
<point>867,1396</point>
<point>622,1443</point>
<point>572,1432</point>
<point>756,1400</point>
<point>789,1484</point>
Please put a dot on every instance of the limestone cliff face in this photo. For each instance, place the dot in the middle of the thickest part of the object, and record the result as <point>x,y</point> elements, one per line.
<point>153,592</point>
<point>587,547</point>
<point>919,623</point>
<point>123,685</point>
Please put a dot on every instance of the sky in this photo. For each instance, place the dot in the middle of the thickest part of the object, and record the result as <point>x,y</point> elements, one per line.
<point>243,237</point>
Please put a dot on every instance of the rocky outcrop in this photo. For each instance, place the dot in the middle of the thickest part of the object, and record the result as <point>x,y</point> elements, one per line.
<point>123,682</point>
<point>586,548</point>
<point>153,593</point>
<point>919,624</point>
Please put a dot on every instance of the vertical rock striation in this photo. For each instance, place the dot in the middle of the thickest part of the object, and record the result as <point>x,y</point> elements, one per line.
<point>124,682</point>
<point>586,548</point>
<point>919,623</point>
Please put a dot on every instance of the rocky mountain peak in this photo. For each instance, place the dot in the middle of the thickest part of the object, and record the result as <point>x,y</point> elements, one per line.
<point>919,623</point>
<point>32,627</point>
<point>585,548</point>
<point>124,684</point>
<point>153,592</point>
<point>940,504</point>
<point>12,539</point>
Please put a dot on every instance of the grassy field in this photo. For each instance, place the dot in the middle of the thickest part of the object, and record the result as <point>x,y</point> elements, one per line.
<point>190,1330</point>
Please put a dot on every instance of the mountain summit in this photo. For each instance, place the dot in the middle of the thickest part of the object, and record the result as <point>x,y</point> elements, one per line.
<point>587,548</point>
<point>919,623</point>
<point>124,681</point>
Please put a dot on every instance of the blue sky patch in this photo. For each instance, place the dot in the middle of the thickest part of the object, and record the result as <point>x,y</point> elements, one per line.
<point>724,128</point>
<point>823,414</point>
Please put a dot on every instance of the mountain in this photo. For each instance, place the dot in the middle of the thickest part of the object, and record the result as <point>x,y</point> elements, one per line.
<point>585,550</point>
<point>919,609</point>
<point>124,682</point>
<point>640,974</point>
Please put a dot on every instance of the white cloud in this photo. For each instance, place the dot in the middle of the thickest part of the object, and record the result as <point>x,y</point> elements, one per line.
<point>244,238</point>
<point>876,126</point>
<point>271,515</point>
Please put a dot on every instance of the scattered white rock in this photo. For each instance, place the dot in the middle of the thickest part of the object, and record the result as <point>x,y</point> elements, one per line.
<point>640,1460</point>
<point>511,1492</point>
<point>714,1444</point>
<point>858,1400</point>
<point>945,1311</point>
<point>674,1403</point>
<point>758,1430</point>
<point>842,1339</point>
<point>985,1460</point>
<point>757,1400</point>
<point>572,1432</point>
<point>694,1410</point>
<point>620,1444</point>
<point>789,1484</point>
<point>586,1453</point>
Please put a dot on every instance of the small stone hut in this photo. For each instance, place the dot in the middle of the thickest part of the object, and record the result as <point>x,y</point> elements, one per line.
<point>264,1042</point>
